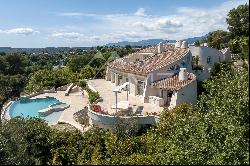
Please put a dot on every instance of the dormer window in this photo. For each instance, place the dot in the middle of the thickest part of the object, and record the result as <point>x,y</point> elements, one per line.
<point>172,67</point>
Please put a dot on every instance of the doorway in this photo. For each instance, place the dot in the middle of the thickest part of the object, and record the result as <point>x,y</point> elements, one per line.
<point>166,95</point>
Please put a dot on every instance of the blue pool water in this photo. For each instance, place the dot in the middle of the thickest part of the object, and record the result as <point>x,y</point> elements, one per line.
<point>30,108</point>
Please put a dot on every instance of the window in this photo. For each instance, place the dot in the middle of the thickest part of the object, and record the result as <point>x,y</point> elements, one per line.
<point>127,87</point>
<point>127,79</point>
<point>140,87</point>
<point>170,93</point>
<point>209,59</point>
<point>172,67</point>
<point>119,79</point>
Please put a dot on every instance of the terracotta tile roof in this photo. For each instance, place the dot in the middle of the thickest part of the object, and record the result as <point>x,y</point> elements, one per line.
<point>152,63</point>
<point>154,49</point>
<point>173,83</point>
<point>151,49</point>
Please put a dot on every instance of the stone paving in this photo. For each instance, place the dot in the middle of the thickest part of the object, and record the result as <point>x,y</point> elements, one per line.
<point>105,89</point>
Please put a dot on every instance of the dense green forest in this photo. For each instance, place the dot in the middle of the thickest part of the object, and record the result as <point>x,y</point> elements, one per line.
<point>214,131</point>
<point>24,72</point>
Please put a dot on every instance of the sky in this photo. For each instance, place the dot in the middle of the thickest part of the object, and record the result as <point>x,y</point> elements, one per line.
<point>79,23</point>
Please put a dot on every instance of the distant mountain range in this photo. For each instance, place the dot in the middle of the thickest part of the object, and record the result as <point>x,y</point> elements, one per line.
<point>67,49</point>
<point>153,42</point>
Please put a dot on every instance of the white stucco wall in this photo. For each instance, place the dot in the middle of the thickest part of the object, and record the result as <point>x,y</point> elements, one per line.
<point>132,78</point>
<point>108,121</point>
<point>203,53</point>
<point>163,73</point>
<point>160,74</point>
<point>188,94</point>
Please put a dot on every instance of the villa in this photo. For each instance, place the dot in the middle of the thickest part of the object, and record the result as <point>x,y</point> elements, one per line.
<point>137,87</point>
<point>160,75</point>
<point>149,80</point>
<point>207,58</point>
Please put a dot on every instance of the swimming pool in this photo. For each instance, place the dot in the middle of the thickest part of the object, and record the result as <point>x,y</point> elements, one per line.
<point>30,107</point>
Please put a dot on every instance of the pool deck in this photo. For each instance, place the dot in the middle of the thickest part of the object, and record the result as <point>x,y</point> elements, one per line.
<point>76,100</point>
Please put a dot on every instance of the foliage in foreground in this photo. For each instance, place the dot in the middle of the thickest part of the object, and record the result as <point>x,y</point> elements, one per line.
<point>215,131</point>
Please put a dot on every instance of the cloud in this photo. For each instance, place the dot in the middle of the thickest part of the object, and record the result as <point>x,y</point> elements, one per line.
<point>140,12</point>
<point>19,31</point>
<point>70,14</point>
<point>185,22</point>
<point>127,35</point>
<point>78,14</point>
<point>162,25</point>
<point>75,37</point>
<point>67,35</point>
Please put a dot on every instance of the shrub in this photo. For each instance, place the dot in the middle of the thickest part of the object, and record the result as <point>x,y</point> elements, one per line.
<point>82,117</point>
<point>82,84</point>
<point>93,96</point>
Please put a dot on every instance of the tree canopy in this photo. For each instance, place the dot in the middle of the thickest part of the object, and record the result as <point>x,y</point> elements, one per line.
<point>238,20</point>
<point>215,131</point>
<point>218,39</point>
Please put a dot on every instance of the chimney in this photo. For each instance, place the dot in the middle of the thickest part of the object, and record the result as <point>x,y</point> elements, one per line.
<point>183,74</point>
<point>160,47</point>
<point>178,44</point>
<point>184,44</point>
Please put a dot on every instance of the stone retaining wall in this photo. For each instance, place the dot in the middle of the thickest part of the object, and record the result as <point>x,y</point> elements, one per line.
<point>108,121</point>
<point>62,88</point>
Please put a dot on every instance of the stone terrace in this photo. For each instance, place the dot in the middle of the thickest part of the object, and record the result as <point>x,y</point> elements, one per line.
<point>105,89</point>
